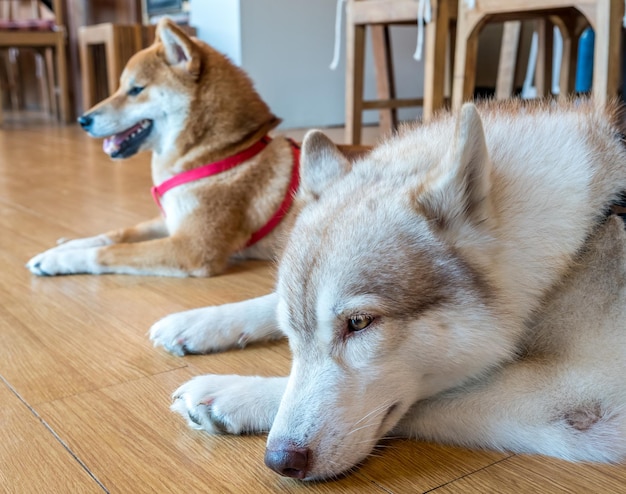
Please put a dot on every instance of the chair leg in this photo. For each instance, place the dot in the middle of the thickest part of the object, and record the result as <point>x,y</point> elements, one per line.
<point>508,59</point>
<point>355,64</point>
<point>41,76</point>
<point>12,71</point>
<point>48,59</point>
<point>64,100</point>
<point>385,84</point>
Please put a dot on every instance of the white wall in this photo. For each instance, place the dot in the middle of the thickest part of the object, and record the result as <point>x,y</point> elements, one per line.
<point>286,47</point>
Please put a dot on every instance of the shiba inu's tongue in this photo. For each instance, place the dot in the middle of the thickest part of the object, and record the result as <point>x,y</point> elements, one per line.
<point>113,143</point>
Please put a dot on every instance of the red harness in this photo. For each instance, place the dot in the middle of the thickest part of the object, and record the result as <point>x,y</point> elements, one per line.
<point>226,164</point>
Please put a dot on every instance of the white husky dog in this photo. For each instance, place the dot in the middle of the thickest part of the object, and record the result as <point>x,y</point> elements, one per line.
<point>459,284</point>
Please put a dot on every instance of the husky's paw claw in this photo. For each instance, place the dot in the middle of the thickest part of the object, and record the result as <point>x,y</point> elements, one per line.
<point>179,351</point>
<point>206,405</point>
<point>243,340</point>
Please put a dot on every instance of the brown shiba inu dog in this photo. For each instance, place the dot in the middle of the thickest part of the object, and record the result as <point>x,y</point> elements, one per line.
<point>460,284</point>
<point>198,114</point>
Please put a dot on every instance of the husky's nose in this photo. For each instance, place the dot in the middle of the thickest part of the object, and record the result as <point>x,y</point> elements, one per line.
<point>288,460</point>
<point>85,121</point>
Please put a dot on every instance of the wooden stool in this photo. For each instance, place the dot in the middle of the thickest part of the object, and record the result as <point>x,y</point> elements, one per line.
<point>605,16</point>
<point>379,15</point>
<point>120,43</point>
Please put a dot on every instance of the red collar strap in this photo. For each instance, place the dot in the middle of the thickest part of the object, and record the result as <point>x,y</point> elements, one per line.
<point>226,164</point>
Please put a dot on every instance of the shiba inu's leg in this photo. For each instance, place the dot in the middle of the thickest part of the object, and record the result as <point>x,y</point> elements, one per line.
<point>171,256</point>
<point>212,329</point>
<point>230,404</point>
<point>146,230</point>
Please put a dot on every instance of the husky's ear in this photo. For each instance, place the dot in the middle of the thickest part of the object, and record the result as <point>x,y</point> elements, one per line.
<point>179,49</point>
<point>463,190</point>
<point>321,163</point>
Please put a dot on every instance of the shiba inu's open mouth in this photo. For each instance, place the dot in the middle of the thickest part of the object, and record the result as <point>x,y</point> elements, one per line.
<point>126,143</point>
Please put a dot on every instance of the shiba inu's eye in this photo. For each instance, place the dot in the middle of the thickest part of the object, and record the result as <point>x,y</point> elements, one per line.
<point>134,91</point>
<point>357,323</point>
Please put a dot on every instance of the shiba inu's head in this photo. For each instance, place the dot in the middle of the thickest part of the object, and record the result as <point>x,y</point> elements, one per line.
<point>173,95</point>
<point>379,303</point>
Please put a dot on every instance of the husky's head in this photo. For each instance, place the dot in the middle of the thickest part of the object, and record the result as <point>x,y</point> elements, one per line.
<point>177,93</point>
<point>381,307</point>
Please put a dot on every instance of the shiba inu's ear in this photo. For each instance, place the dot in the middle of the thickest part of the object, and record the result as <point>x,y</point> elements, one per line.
<point>180,51</point>
<point>462,191</point>
<point>322,163</point>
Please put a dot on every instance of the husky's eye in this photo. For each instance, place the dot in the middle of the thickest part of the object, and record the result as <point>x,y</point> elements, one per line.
<point>134,91</point>
<point>360,322</point>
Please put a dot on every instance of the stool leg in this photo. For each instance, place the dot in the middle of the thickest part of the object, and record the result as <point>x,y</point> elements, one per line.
<point>355,64</point>
<point>606,59</point>
<point>543,74</point>
<point>437,33</point>
<point>567,76</point>
<point>113,63</point>
<point>466,52</point>
<point>385,84</point>
<point>88,68</point>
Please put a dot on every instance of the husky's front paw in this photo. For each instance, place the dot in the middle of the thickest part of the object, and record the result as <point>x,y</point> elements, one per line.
<point>218,328</point>
<point>194,331</point>
<point>69,257</point>
<point>229,404</point>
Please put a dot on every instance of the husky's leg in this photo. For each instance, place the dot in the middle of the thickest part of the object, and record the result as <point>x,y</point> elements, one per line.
<point>217,328</point>
<point>230,404</point>
<point>527,409</point>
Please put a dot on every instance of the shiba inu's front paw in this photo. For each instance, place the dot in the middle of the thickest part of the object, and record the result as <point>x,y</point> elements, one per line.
<point>218,328</point>
<point>64,261</point>
<point>229,404</point>
<point>69,257</point>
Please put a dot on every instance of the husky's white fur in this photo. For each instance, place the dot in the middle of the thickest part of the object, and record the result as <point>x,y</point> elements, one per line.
<point>459,284</point>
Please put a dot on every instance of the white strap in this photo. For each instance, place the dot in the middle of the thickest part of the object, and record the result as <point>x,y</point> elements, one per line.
<point>470,4</point>
<point>338,22</point>
<point>424,16</point>
<point>624,19</point>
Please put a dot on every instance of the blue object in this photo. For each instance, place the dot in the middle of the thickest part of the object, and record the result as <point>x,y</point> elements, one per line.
<point>584,65</point>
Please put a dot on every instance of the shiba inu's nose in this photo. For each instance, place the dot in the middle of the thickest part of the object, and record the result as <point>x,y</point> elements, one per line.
<point>288,460</point>
<point>85,121</point>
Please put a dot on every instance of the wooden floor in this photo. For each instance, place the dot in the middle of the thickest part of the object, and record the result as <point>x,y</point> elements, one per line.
<point>84,397</point>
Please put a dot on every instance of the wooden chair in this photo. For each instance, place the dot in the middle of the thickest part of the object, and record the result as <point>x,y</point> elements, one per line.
<point>27,24</point>
<point>605,16</point>
<point>378,15</point>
